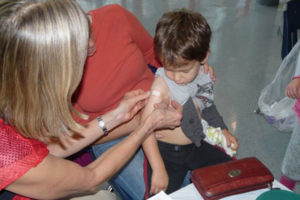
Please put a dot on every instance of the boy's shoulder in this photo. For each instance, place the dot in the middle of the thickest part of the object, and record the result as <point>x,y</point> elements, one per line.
<point>159,85</point>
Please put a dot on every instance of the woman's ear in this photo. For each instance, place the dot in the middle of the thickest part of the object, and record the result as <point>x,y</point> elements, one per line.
<point>206,58</point>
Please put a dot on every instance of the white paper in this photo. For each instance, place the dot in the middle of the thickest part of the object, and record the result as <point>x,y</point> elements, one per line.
<point>160,196</point>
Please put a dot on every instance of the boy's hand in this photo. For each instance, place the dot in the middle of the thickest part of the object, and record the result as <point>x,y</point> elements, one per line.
<point>210,70</point>
<point>293,89</point>
<point>159,181</point>
<point>231,140</point>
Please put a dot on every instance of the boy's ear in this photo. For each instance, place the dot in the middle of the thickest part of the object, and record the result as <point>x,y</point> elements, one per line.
<point>206,58</point>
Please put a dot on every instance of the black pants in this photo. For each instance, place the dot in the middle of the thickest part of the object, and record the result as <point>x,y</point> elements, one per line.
<point>178,159</point>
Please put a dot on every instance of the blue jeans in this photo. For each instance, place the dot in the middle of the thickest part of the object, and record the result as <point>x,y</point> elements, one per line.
<point>129,181</point>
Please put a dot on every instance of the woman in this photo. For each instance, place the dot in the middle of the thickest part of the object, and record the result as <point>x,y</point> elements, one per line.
<point>43,47</point>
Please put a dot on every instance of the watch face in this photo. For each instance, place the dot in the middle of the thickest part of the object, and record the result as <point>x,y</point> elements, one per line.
<point>101,123</point>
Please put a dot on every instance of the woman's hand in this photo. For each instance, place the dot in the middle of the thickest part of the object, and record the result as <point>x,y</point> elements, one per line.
<point>165,115</point>
<point>293,89</point>
<point>131,104</point>
<point>209,70</point>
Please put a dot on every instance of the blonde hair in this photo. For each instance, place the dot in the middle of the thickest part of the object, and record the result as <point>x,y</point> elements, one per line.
<point>43,47</point>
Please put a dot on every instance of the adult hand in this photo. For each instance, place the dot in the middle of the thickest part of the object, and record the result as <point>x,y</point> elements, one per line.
<point>165,115</point>
<point>132,102</point>
<point>207,68</point>
<point>210,70</point>
<point>293,89</point>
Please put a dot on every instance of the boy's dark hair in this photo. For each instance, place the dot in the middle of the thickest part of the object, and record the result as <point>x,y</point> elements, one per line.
<point>180,36</point>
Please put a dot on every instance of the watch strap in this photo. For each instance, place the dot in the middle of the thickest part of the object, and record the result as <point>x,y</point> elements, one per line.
<point>102,125</point>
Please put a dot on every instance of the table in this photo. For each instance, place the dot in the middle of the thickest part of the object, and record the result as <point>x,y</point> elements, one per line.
<point>189,192</point>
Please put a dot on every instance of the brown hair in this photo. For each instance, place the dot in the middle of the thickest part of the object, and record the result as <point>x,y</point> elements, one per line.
<point>43,47</point>
<point>181,36</point>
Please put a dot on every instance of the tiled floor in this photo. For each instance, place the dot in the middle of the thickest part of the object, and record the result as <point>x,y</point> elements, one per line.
<point>245,48</point>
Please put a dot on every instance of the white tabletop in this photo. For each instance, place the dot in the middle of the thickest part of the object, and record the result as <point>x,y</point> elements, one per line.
<point>190,192</point>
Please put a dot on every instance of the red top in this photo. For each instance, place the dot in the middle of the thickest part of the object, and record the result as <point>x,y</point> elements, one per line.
<point>124,48</point>
<point>17,155</point>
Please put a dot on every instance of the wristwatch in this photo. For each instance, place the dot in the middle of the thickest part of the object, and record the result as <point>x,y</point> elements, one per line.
<point>102,125</point>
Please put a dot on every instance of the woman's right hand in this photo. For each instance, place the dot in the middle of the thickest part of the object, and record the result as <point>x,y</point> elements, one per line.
<point>131,104</point>
<point>165,115</point>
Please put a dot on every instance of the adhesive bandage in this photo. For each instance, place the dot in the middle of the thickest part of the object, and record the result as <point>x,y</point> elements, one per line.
<point>155,93</point>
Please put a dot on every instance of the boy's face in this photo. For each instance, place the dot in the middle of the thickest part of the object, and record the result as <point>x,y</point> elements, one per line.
<point>184,74</point>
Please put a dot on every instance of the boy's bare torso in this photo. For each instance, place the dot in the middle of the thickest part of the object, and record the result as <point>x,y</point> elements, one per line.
<point>175,136</point>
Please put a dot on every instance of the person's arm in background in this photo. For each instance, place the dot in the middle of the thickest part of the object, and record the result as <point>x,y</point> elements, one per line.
<point>293,88</point>
<point>160,178</point>
<point>69,178</point>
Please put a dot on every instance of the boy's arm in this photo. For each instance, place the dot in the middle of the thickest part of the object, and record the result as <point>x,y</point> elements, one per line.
<point>159,179</point>
<point>213,117</point>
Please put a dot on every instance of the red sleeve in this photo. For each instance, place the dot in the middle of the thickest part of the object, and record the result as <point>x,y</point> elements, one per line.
<point>17,154</point>
<point>141,37</point>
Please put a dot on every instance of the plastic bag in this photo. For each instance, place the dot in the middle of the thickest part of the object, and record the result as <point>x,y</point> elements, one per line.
<point>272,103</point>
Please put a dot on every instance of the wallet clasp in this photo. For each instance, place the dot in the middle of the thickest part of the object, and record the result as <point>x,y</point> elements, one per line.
<point>234,173</point>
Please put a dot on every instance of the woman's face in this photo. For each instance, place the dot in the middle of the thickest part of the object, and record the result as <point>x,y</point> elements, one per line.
<point>92,46</point>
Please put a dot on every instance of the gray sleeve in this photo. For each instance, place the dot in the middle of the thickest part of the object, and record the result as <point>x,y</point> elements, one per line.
<point>191,124</point>
<point>213,117</point>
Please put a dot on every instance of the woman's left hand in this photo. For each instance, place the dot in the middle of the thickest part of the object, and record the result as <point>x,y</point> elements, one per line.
<point>131,104</point>
<point>209,70</point>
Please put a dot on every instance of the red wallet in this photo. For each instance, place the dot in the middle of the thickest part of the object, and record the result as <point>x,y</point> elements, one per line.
<point>233,177</point>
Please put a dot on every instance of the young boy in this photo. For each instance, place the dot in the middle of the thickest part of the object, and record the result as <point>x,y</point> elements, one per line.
<point>181,42</point>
